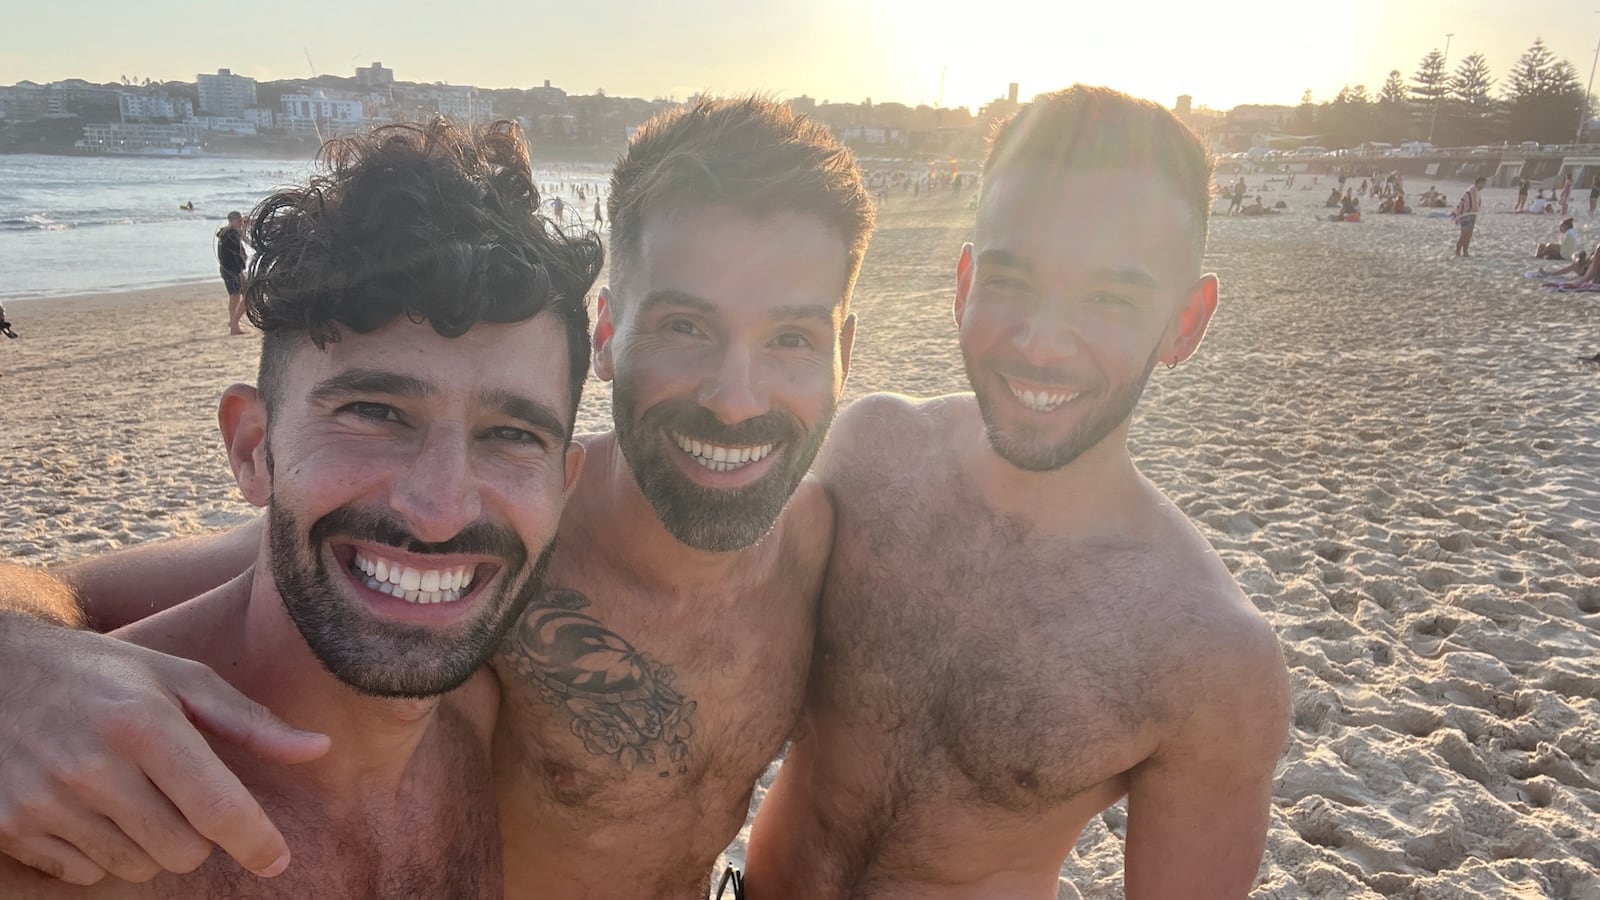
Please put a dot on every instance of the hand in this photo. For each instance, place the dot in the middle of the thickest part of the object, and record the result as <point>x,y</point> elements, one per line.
<point>106,769</point>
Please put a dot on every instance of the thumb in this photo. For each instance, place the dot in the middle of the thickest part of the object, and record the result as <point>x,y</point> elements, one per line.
<point>216,707</point>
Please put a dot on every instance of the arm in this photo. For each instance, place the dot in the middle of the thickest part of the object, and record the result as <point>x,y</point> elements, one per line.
<point>1198,808</point>
<point>106,768</point>
<point>123,587</point>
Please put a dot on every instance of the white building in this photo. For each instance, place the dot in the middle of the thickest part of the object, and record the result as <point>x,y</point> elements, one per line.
<point>136,137</point>
<point>227,124</point>
<point>225,94</point>
<point>318,111</point>
<point>462,105</point>
<point>143,106</point>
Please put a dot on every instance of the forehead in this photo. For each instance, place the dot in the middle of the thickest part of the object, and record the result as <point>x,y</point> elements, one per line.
<point>739,262</point>
<point>1092,214</point>
<point>526,359</point>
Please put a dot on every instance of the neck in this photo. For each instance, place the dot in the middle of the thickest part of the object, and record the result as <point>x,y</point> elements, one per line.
<point>1100,493</point>
<point>635,538</point>
<point>373,738</point>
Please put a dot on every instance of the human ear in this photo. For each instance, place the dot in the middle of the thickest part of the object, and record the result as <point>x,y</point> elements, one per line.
<point>604,331</point>
<point>847,340</point>
<point>1192,321</point>
<point>575,457</point>
<point>964,267</point>
<point>242,415</point>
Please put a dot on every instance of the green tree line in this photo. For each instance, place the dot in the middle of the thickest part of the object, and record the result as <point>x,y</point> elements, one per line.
<point>1540,99</point>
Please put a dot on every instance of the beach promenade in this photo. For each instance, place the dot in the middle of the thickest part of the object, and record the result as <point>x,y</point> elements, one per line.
<point>1396,453</point>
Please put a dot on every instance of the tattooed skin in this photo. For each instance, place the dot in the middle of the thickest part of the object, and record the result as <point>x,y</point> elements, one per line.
<point>620,702</point>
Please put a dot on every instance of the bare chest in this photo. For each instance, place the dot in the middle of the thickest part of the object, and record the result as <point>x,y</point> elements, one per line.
<point>618,702</point>
<point>1015,675</point>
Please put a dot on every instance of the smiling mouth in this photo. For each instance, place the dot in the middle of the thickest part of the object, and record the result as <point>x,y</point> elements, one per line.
<point>411,584</point>
<point>1040,399</point>
<point>721,457</point>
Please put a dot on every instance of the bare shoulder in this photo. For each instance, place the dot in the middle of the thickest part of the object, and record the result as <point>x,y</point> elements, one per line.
<point>873,425</point>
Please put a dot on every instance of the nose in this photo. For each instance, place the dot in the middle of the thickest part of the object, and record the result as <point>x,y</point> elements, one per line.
<point>437,494</point>
<point>1048,335</point>
<point>733,393</point>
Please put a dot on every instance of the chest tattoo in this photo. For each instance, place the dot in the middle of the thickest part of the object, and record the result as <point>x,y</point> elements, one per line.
<point>620,703</point>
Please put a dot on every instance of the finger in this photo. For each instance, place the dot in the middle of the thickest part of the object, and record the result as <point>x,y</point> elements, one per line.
<point>219,708</point>
<point>55,858</point>
<point>213,801</point>
<point>103,842</point>
<point>141,812</point>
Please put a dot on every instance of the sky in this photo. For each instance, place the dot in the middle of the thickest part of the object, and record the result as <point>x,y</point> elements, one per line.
<point>1221,53</point>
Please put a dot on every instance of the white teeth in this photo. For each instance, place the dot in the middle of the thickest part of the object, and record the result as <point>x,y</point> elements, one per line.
<point>430,581</point>
<point>1041,401</point>
<point>410,579</point>
<point>721,459</point>
<point>382,571</point>
<point>413,585</point>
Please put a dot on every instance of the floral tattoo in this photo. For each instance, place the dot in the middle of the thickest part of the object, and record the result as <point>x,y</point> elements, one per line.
<point>621,702</point>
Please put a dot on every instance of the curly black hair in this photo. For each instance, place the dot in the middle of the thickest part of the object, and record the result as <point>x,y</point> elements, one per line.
<point>430,222</point>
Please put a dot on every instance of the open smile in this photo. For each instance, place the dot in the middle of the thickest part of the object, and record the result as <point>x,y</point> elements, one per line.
<point>412,580</point>
<point>723,465</point>
<point>1039,397</point>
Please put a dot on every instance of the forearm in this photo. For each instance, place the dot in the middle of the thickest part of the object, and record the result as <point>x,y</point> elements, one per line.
<point>38,595</point>
<point>118,588</point>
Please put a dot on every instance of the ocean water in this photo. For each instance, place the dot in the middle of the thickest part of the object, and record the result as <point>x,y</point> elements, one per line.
<point>79,224</point>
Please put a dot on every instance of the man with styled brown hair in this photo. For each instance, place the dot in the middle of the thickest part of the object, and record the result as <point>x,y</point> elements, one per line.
<point>1019,629</point>
<point>646,688</point>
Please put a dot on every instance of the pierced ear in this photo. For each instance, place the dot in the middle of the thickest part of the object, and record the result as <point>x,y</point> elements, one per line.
<point>242,415</point>
<point>1192,321</point>
<point>964,267</point>
<point>604,331</point>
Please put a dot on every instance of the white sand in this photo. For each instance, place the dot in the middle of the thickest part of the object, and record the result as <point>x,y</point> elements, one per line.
<point>1393,450</point>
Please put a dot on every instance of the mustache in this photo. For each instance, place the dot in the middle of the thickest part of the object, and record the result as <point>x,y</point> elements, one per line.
<point>478,538</point>
<point>693,420</point>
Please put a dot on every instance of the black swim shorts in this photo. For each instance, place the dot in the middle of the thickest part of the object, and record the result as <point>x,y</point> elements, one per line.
<point>233,280</point>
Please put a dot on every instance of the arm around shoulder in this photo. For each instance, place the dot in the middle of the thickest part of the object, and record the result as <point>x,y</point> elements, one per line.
<point>1198,808</point>
<point>129,585</point>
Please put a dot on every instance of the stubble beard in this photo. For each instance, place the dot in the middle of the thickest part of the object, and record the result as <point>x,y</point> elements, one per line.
<point>1031,452</point>
<point>391,659</point>
<point>719,520</point>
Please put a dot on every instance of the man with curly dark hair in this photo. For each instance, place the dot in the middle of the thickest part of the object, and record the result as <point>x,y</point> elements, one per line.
<point>410,438</point>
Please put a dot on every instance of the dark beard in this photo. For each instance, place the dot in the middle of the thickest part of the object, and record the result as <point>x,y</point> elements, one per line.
<point>390,659</point>
<point>1035,456</point>
<point>717,520</point>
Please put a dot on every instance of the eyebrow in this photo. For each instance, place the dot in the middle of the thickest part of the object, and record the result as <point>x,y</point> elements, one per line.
<point>532,412</point>
<point>370,381</point>
<point>1132,276</point>
<point>670,297</point>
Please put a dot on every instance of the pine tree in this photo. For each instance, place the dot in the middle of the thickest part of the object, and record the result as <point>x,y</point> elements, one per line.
<point>1429,88</point>
<point>1543,97</point>
<point>1393,114</point>
<point>1474,106</point>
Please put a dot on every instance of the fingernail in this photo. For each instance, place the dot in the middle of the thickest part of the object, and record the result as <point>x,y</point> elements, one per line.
<point>277,867</point>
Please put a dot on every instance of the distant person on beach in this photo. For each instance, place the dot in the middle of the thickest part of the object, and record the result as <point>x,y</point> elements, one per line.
<point>1564,247</point>
<point>1566,194</point>
<point>231,262</point>
<point>1238,196</point>
<point>5,326</point>
<point>412,494</point>
<point>1594,194</point>
<point>1540,205</point>
<point>1019,629</point>
<point>1333,200</point>
<point>1465,214</point>
<point>650,684</point>
<point>599,217</point>
<point>1522,194</point>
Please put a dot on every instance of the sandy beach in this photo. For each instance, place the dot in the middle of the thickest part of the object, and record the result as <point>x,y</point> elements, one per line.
<point>1397,453</point>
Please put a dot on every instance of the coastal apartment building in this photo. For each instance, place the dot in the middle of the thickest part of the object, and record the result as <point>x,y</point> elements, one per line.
<point>374,76</point>
<point>225,94</point>
<point>145,106</point>
<point>316,111</point>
